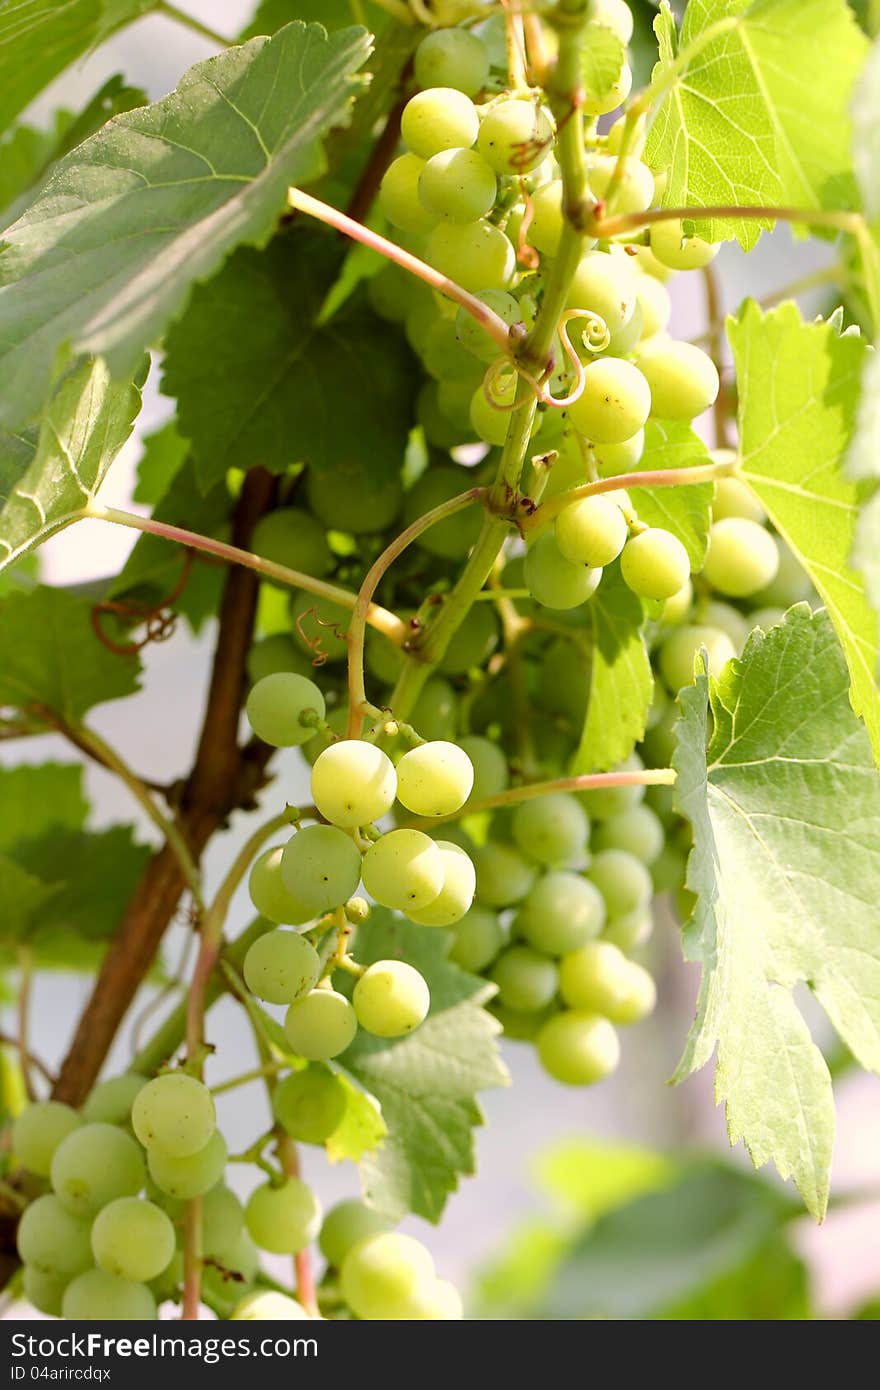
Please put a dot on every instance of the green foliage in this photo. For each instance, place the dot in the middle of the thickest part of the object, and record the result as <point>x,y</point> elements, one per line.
<point>866,133</point>
<point>621,683</point>
<point>602,58</point>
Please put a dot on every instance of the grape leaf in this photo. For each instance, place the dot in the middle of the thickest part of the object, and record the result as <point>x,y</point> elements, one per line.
<point>747,122</point>
<point>48,476</point>
<point>53,658</point>
<point>75,863</point>
<point>165,452</point>
<point>36,797</point>
<point>272,15</point>
<point>866,133</point>
<point>602,57</point>
<point>685,511</point>
<point>257,380</point>
<point>621,685</point>
<point>22,895</point>
<point>798,389</point>
<point>785,809</point>
<point>425,1083</point>
<point>104,260</point>
<point>361,1129</point>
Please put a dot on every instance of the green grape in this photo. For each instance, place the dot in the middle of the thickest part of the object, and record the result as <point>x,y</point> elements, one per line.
<point>95,1164</point>
<point>457,184</point>
<point>434,779</point>
<point>631,930</point>
<point>133,1239</point>
<point>351,495</point>
<point>319,627</point>
<point>622,343</point>
<point>672,248</point>
<point>309,1104</point>
<point>353,783</point>
<point>444,413</point>
<point>614,459</point>
<point>599,979</point>
<point>562,911</point>
<point>452,58</point>
<point>616,15</point>
<point>489,762</point>
<point>276,705</point>
<point>265,1305</point>
<point>52,1239</point>
<point>292,537</point>
<point>791,583</point>
<point>742,557</point>
<point>615,96</point>
<point>735,498</point>
<point>381,1274</point>
<point>403,870</point>
<point>504,876</point>
<point>638,830</point>
<point>473,337</point>
<point>491,418</point>
<point>175,1113</point>
<point>653,299</point>
<point>555,582</point>
<point>678,606</point>
<point>283,1219</point>
<point>564,681</point>
<point>623,880</point>
<point>281,966</point>
<point>222,1221</point>
<point>766,618</point>
<point>191,1175</point>
<point>527,980</point>
<point>453,538</point>
<point>514,136</point>
<point>457,893</point>
<point>600,803</point>
<point>654,564</point>
<point>337,725</point>
<point>435,1300</point>
<point>473,643</point>
<point>37,1132</point>
<point>615,401</point>
<point>439,118</point>
<point>442,356</point>
<point>683,379</point>
<point>479,937</point>
<point>435,712</point>
<point>345,1225</point>
<point>384,658</point>
<point>392,291</point>
<point>320,866</point>
<point>268,893</point>
<point>547,222</point>
<point>391,999</point>
<point>729,620</point>
<point>477,255</point>
<point>552,829</point>
<point>276,654</point>
<point>399,198</point>
<point>230,1275</point>
<point>605,285</point>
<point>43,1291</point>
<point>100,1297</point>
<point>678,652</point>
<point>320,1026</point>
<point>521,1027</point>
<point>578,1048</point>
<point>592,531</point>
<point>635,188</point>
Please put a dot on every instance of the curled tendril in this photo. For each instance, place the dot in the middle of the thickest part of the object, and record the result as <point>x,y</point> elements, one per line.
<point>490,384</point>
<point>313,643</point>
<point>595,335</point>
<point>158,620</point>
<point>525,253</point>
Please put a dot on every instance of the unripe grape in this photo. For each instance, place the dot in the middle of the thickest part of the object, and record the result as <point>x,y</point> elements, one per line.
<point>43,1291</point>
<point>268,893</point>
<point>100,1297</point>
<point>439,118</point>
<point>473,337</point>
<point>222,1221</point>
<point>616,15</point>
<point>742,557</point>
<point>473,643</point>
<point>283,1219</point>
<point>679,651</point>
<point>680,252</point>
<point>598,978</point>
<point>191,1175</point>
<point>526,979</point>
<point>353,783</point>
<point>678,606</point>
<point>562,912</point>
<point>766,618</point>
<point>615,96</point>
<point>791,583</point>
<point>94,1164</point>
<point>111,1100</point>
<point>729,620</point>
<point>345,1225</point>
<point>578,1048</point>
<point>348,496</point>
<point>292,537</point>
<point>52,1239</point>
<point>545,228</point>
<point>489,762</point>
<point>403,870</point>
<point>591,531</point>
<point>399,198</point>
<point>638,830</point>
<point>648,263</point>
<point>434,1300</point>
<point>683,379</point>
<point>391,999</point>
<point>321,867</point>
<point>175,1112</point>
<point>37,1132</point>
<point>266,1305</point>
<point>277,704</point>
<point>457,893</point>
<point>479,937</point>
<point>605,285</point>
<point>309,1104</point>
<point>435,712</point>
<point>452,58</point>
<point>735,498</point>
<point>457,184</point>
<point>280,967</point>
<point>634,191</point>
<point>275,654</point>
<point>622,343</point>
<point>514,136</point>
<point>615,401</point>
<point>614,459</point>
<point>623,880</point>
<point>602,802</point>
<point>654,564</point>
<point>631,930</point>
<point>321,1025</point>
<point>381,1274</point>
<point>133,1239</point>
<point>434,779</point>
<point>552,580</point>
<point>451,539</point>
<point>503,875</point>
<point>490,418</point>
<point>552,829</point>
<point>653,299</point>
<point>477,255</point>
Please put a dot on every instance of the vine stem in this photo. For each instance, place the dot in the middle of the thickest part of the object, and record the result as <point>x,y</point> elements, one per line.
<point>588,781</point>
<point>659,477</point>
<point>190,22</point>
<point>357,695</point>
<point>26,975</point>
<point>388,623</point>
<point>851,222</point>
<point>258,1073</point>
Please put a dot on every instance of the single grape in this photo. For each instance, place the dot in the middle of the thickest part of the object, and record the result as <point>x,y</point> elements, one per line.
<point>457,184</point>
<point>672,248</point>
<point>351,495</point>
<point>292,537</point>
<point>735,498</point>
<point>473,643</point>
<point>268,893</point>
<point>547,222</point>
<point>729,620</point>
<point>52,1239</point>
<point>100,1297</point>
<point>615,401</point>
<point>457,893</point>
<point>43,1291</point>
<point>504,876</point>
<point>175,1113</point>
<point>592,531</point>
<point>222,1221</point>
<point>133,1239</point>
<point>578,1048</point>
<point>635,189</point>
<point>654,564</point>
<point>477,255</point>
<point>309,1104</point>
<point>678,606</point>
<point>679,650</point>
<point>489,762</point>
<point>321,867</point>
<point>95,1164</point>
<point>514,136</point>
<point>392,291</point>
<point>652,297</point>
<point>526,979</point>
<point>265,1305</point>
<point>345,1225</point>
<point>111,1100</point>
<point>434,779</point>
<point>615,96</point>
<point>552,580</point>
<point>283,1219</point>
<point>434,1300</point>
<point>562,912</point>
<point>553,829</point>
<point>452,58</point>
<point>37,1132</point>
<point>353,783</point>
<point>616,15</point>
<point>399,199</point>
<point>490,418</point>
<point>479,938</point>
<point>226,1279</point>
<point>277,704</point>
<point>439,118</point>
<point>624,341</point>
<point>623,880</point>
<point>435,712</point>
<point>614,459</point>
<point>638,830</point>
<point>381,1274</point>
<point>473,337</point>
<point>742,557</point>
<point>602,802</point>
<point>631,930</point>
<point>766,618</point>
<point>598,978</point>
<point>791,583</point>
<point>683,379</point>
<point>403,870</point>
<point>191,1175</point>
<point>391,999</point>
<point>320,1026</point>
<point>453,538</point>
<point>605,285</point>
<point>281,967</point>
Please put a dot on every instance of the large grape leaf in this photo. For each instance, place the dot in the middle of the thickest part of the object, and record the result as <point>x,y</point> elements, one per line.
<point>620,683</point>
<point>866,133</point>
<point>759,116</point>
<point>49,475</point>
<point>798,387</point>
<point>259,380</point>
<point>272,15</point>
<point>129,221</point>
<point>36,797</point>
<point>426,1083</point>
<point>685,511</point>
<point>785,809</point>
